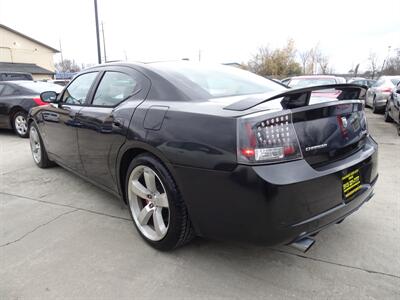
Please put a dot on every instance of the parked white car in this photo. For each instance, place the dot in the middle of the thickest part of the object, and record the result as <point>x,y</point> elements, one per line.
<point>379,93</point>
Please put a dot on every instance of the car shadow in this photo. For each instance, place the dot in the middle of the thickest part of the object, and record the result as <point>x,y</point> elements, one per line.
<point>7,132</point>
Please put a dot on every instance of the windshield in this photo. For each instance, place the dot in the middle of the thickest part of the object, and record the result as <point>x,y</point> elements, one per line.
<point>213,81</point>
<point>40,87</point>
<point>306,82</point>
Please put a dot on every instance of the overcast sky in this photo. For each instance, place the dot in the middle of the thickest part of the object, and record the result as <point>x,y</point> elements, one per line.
<point>224,31</point>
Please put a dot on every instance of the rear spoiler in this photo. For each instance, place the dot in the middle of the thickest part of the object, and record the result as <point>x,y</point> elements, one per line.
<point>293,98</point>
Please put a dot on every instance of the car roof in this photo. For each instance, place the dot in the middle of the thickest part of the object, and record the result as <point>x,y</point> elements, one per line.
<point>390,76</point>
<point>314,76</point>
<point>18,82</point>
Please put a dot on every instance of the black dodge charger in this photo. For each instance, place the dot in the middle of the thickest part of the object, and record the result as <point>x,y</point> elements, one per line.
<point>211,151</point>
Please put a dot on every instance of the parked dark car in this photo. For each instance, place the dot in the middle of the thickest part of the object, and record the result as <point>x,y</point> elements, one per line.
<point>378,94</point>
<point>13,76</point>
<point>211,151</point>
<point>16,99</point>
<point>392,111</point>
<point>362,81</point>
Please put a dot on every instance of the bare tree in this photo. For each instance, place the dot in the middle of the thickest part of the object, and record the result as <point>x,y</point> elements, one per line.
<point>67,65</point>
<point>392,66</point>
<point>305,57</point>
<point>373,64</point>
<point>323,63</point>
<point>275,62</point>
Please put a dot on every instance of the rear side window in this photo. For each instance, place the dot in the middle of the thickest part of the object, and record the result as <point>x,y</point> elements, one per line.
<point>395,80</point>
<point>78,90</point>
<point>1,88</point>
<point>9,91</point>
<point>114,88</point>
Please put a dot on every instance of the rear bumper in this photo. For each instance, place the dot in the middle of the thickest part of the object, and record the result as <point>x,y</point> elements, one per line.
<point>274,204</point>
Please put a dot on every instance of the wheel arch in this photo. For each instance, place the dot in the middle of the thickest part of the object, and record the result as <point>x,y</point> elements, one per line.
<point>13,111</point>
<point>128,153</point>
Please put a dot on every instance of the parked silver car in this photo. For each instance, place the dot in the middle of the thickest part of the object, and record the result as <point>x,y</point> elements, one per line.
<point>392,111</point>
<point>378,94</point>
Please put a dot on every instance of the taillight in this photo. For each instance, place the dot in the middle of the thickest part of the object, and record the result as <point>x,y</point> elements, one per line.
<point>39,101</point>
<point>267,138</point>
<point>386,90</point>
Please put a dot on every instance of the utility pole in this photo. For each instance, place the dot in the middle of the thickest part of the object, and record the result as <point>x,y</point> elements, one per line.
<point>97,32</point>
<point>386,59</point>
<point>104,42</point>
<point>62,58</point>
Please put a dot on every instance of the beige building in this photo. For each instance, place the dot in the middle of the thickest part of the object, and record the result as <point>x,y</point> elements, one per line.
<point>21,53</point>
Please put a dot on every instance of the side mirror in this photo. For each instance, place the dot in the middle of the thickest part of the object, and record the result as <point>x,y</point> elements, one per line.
<point>398,90</point>
<point>49,97</point>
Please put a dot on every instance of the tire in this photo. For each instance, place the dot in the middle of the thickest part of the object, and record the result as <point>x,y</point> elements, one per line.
<point>387,116</point>
<point>20,123</point>
<point>375,109</point>
<point>39,153</point>
<point>160,200</point>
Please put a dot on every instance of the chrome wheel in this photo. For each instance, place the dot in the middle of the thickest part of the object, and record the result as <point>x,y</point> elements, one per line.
<point>21,125</point>
<point>148,202</point>
<point>35,145</point>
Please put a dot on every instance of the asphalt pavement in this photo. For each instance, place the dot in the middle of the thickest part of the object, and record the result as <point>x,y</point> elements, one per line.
<point>63,238</point>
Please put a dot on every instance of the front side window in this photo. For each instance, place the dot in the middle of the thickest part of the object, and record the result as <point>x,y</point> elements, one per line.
<point>114,88</point>
<point>78,90</point>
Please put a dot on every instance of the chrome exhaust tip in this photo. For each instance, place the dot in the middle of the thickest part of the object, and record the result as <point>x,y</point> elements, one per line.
<point>303,244</point>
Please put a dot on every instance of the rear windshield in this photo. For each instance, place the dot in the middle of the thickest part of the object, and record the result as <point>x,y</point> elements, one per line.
<point>213,81</point>
<point>40,87</point>
<point>15,76</point>
<point>306,82</point>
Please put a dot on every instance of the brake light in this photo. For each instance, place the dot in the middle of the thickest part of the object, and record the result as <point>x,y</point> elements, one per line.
<point>265,138</point>
<point>386,90</point>
<point>39,101</point>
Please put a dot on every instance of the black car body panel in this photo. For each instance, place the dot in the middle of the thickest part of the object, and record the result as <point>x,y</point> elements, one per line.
<point>9,104</point>
<point>273,204</point>
<point>196,139</point>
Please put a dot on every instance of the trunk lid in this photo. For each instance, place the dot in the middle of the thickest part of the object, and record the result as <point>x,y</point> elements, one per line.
<point>327,129</point>
<point>331,131</point>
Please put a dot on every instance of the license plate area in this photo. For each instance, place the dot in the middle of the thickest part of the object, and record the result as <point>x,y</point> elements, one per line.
<point>351,184</point>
